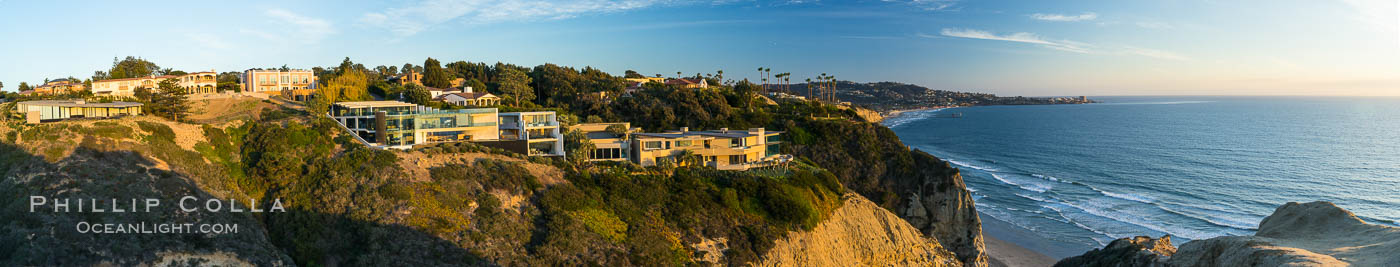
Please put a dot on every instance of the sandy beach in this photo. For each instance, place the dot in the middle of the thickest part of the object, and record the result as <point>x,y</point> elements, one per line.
<point>1005,254</point>
<point>1010,246</point>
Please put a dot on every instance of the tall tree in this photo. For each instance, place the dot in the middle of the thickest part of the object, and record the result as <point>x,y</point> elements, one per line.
<point>516,84</point>
<point>632,74</point>
<point>171,101</point>
<point>434,75</point>
<point>131,67</point>
<point>2,86</point>
<point>24,86</point>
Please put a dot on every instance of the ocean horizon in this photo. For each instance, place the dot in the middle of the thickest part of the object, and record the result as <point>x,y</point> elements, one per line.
<point>1065,179</point>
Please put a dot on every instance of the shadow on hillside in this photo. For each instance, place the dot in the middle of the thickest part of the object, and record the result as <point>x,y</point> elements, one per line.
<point>46,237</point>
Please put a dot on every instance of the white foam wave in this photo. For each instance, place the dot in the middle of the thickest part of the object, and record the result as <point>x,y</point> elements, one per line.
<point>980,168</point>
<point>1047,177</point>
<point>1136,220</point>
<point>906,117</point>
<point>1237,223</point>
<point>1129,196</point>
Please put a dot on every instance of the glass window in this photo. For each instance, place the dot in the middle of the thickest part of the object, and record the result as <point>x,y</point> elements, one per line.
<point>651,145</point>
<point>683,143</point>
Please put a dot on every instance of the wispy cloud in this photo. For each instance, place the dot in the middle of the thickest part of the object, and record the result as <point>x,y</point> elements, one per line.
<point>418,17</point>
<point>930,5</point>
<point>1153,53</point>
<point>1020,37</point>
<point>1064,17</point>
<point>306,29</point>
<point>1155,25</point>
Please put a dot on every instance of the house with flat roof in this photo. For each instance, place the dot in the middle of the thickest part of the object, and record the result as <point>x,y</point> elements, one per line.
<point>722,149</point>
<point>394,124</point>
<point>539,130</point>
<point>293,84</point>
<point>689,82</point>
<point>52,110</point>
<point>400,125</point>
<point>611,141</point>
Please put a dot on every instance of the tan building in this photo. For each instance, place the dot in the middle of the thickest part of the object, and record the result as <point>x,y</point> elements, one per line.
<point>58,87</point>
<point>295,84</point>
<point>611,140</point>
<point>722,149</point>
<point>195,83</point>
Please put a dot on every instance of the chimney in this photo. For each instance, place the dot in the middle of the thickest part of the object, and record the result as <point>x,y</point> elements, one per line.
<point>466,89</point>
<point>685,129</point>
<point>756,131</point>
<point>723,130</point>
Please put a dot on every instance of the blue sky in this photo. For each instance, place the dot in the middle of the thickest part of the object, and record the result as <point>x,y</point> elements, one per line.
<point>1033,48</point>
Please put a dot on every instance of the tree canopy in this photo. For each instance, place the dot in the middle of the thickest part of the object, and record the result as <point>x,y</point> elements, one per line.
<point>131,67</point>
<point>434,75</point>
<point>515,84</point>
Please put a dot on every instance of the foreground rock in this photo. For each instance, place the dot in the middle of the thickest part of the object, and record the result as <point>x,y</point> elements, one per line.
<point>859,233</point>
<point>1308,234</point>
<point>1137,251</point>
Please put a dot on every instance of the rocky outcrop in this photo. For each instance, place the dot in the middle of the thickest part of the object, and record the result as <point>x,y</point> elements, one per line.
<point>1137,251</point>
<point>939,204</point>
<point>1307,234</point>
<point>859,233</point>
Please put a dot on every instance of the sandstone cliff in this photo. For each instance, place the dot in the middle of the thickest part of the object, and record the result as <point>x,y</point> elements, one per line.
<point>859,233</point>
<point>1308,234</point>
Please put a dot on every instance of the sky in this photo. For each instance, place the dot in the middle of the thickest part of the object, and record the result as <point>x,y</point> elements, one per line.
<point>1029,48</point>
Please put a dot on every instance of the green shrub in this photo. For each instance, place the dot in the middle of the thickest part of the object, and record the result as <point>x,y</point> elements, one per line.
<point>603,223</point>
<point>159,132</point>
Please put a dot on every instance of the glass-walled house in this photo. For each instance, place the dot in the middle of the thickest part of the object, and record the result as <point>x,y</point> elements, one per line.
<point>722,149</point>
<point>539,130</point>
<point>394,124</point>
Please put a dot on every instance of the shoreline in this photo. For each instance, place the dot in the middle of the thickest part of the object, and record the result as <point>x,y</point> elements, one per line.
<point>1008,245</point>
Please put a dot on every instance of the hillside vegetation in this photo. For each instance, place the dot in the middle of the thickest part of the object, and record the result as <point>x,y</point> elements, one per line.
<point>463,204</point>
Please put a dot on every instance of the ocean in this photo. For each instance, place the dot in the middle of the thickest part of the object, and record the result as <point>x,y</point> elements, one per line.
<point>1070,178</point>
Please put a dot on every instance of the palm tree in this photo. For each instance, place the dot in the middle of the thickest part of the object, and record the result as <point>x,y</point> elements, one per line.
<point>809,89</point>
<point>760,77</point>
<point>719,76</point>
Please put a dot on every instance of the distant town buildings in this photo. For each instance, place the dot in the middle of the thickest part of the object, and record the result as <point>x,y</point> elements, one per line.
<point>51,110</point>
<point>294,84</point>
<point>413,77</point>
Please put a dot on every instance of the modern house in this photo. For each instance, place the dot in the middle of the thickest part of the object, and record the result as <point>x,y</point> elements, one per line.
<point>294,84</point>
<point>413,77</point>
<point>611,141</point>
<point>539,130</point>
<point>400,125</point>
<point>722,149</point>
<point>198,82</point>
<point>52,110</point>
<point>393,124</point>
<point>61,86</point>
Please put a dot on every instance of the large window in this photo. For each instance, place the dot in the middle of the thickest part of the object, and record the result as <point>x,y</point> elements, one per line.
<point>607,153</point>
<point>737,159</point>
<point>652,145</point>
<point>683,143</point>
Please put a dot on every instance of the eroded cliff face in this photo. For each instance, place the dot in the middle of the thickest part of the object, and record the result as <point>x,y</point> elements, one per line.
<point>940,205</point>
<point>860,233</point>
<point>925,191</point>
<point>1296,234</point>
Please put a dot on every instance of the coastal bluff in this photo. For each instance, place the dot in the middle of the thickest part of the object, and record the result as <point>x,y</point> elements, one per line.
<point>860,233</point>
<point>1296,234</point>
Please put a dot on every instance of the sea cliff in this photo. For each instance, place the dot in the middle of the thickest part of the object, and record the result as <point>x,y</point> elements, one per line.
<point>1296,234</point>
<point>860,233</point>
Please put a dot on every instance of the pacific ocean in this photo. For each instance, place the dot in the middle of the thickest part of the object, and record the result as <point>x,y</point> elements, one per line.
<point>1070,178</point>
